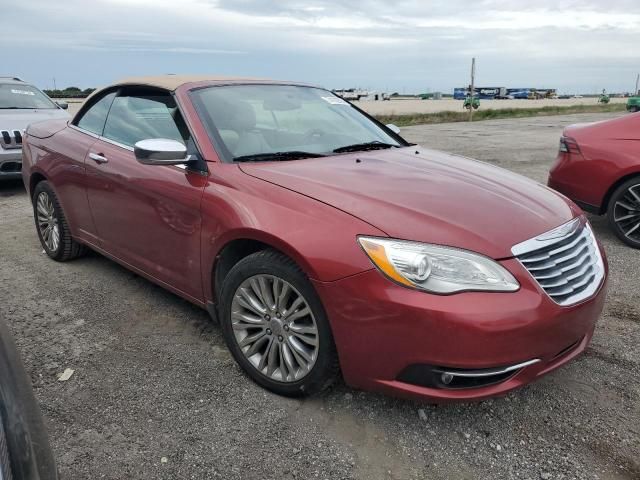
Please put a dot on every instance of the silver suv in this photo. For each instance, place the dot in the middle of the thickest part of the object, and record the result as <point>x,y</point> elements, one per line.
<point>20,105</point>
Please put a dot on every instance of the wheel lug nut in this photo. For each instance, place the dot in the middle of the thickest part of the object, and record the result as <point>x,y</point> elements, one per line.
<point>280,337</point>
<point>278,315</point>
<point>268,331</point>
<point>286,328</point>
<point>267,318</point>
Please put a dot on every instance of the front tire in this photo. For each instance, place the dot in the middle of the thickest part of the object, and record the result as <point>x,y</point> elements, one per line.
<point>275,326</point>
<point>624,212</point>
<point>52,227</point>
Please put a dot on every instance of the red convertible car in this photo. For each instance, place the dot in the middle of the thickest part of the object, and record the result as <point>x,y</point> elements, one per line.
<point>598,167</point>
<point>322,241</point>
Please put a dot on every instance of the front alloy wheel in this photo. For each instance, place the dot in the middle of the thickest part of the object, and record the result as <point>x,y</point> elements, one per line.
<point>274,328</point>
<point>624,212</point>
<point>275,325</point>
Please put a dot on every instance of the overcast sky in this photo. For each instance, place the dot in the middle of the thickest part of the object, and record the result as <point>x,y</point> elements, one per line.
<point>406,46</point>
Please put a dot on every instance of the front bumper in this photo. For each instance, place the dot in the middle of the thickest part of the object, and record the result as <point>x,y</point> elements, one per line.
<point>382,330</point>
<point>10,164</point>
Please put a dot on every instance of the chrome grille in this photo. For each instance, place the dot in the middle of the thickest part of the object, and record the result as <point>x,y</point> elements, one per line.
<point>11,138</point>
<point>566,262</point>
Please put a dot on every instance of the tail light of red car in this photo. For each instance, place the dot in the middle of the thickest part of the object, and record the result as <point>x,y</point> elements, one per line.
<point>569,145</point>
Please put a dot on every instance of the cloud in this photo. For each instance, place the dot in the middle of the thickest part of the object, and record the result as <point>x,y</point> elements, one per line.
<point>409,44</point>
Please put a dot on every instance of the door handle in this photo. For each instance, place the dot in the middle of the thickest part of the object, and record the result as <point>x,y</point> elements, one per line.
<point>96,157</point>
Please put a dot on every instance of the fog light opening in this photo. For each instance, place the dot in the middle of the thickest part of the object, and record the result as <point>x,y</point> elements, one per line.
<point>446,378</point>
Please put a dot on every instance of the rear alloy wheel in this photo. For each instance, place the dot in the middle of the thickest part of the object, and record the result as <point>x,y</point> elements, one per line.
<point>47,221</point>
<point>624,212</point>
<point>275,326</point>
<point>52,227</point>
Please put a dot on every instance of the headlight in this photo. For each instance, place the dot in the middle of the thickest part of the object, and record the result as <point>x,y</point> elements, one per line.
<point>435,268</point>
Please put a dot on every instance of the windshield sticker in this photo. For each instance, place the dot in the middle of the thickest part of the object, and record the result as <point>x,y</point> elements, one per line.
<point>22,92</point>
<point>335,100</point>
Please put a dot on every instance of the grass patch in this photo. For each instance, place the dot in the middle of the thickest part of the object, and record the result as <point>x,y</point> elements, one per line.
<point>491,114</point>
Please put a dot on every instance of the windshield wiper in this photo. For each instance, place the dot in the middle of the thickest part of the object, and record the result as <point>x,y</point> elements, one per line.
<point>359,147</point>
<point>290,155</point>
<point>11,108</point>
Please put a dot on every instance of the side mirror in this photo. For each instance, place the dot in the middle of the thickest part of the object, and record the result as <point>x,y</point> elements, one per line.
<point>160,151</point>
<point>394,128</point>
<point>63,105</point>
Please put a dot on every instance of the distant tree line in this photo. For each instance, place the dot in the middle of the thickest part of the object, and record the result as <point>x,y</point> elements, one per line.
<point>70,92</point>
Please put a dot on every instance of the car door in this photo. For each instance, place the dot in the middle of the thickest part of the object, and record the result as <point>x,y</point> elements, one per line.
<point>147,216</point>
<point>71,147</point>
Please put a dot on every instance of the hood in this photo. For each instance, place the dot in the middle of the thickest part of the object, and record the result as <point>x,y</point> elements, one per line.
<point>47,128</point>
<point>20,119</point>
<point>427,196</point>
<point>626,127</point>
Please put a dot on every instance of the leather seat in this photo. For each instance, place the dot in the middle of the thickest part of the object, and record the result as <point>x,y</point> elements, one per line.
<point>242,120</point>
<point>240,117</point>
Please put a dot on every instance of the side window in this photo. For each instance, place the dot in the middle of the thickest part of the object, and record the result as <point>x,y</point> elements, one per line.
<point>93,119</point>
<point>140,117</point>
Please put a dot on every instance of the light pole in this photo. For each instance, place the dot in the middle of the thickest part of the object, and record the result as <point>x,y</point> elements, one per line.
<point>472,87</point>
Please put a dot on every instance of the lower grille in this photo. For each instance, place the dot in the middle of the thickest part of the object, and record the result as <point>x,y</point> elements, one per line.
<point>8,167</point>
<point>565,261</point>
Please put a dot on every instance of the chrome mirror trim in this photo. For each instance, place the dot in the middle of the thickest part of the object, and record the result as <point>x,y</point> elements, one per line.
<point>160,151</point>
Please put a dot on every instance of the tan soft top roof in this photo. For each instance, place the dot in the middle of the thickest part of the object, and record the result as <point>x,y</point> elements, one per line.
<point>172,82</point>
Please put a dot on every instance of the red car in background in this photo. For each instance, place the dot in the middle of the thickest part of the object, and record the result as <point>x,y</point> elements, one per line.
<point>321,240</point>
<point>598,167</point>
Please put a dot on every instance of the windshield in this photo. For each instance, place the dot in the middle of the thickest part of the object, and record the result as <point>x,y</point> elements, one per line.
<point>261,122</point>
<point>19,95</point>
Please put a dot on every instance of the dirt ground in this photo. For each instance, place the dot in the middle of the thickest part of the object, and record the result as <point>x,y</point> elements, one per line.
<point>155,395</point>
<point>403,107</point>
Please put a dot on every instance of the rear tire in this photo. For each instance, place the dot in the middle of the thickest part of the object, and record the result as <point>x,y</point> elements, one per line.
<point>623,213</point>
<point>52,227</point>
<point>294,354</point>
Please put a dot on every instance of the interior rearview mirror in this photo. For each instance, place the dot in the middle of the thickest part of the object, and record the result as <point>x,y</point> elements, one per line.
<point>63,105</point>
<point>394,128</point>
<point>160,151</point>
<point>281,103</point>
